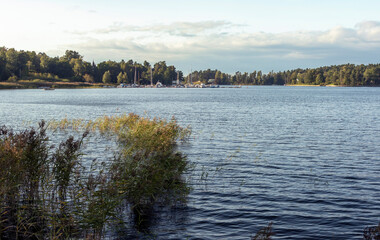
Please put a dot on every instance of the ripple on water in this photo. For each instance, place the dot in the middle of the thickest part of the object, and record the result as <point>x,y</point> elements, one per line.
<point>306,159</point>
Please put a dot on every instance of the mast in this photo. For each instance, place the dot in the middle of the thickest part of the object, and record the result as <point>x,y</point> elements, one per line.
<point>134,81</point>
<point>151,77</point>
<point>191,77</point>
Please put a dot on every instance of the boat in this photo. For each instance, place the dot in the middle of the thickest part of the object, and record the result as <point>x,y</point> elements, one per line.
<point>46,88</point>
<point>159,85</point>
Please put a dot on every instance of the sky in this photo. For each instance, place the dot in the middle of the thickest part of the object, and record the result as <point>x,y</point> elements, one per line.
<point>229,35</point>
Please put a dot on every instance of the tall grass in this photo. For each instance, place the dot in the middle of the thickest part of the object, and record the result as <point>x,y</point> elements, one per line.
<point>148,167</point>
<point>46,192</point>
<point>23,173</point>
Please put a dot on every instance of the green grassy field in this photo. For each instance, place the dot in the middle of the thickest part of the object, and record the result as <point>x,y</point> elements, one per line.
<point>36,83</point>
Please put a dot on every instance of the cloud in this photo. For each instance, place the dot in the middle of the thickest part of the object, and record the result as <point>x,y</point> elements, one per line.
<point>190,29</point>
<point>369,31</point>
<point>186,29</point>
<point>338,34</point>
<point>210,42</point>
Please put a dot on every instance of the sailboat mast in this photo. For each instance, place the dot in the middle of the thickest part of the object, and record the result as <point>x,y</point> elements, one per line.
<point>191,76</point>
<point>151,77</point>
<point>134,81</point>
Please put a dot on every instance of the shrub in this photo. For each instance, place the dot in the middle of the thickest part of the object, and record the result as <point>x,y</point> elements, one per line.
<point>12,79</point>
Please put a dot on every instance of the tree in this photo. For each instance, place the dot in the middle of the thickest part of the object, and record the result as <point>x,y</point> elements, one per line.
<point>29,64</point>
<point>106,77</point>
<point>169,75</point>
<point>259,77</point>
<point>12,63</point>
<point>3,72</point>
<point>158,72</point>
<point>319,79</point>
<point>44,62</point>
<point>122,77</point>
<point>70,54</point>
<point>218,76</point>
<point>18,64</point>
<point>111,66</point>
<point>78,66</point>
<point>371,75</point>
<point>88,78</point>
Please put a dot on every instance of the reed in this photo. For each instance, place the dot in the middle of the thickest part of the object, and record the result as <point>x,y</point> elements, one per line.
<point>23,172</point>
<point>46,192</point>
<point>148,167</point>
<point>264,233</point>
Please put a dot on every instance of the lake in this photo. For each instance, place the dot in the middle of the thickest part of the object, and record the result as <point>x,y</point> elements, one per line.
<point>305,158</point>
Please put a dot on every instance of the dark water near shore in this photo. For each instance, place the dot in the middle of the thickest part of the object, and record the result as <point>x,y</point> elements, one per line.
<point>307,159</point>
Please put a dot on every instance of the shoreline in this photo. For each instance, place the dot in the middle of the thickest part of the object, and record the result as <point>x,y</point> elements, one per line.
<point>302,85</point>
<point>48,84</point>
<point>25,84</point>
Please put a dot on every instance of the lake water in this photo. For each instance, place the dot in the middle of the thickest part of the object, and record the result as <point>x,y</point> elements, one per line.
<point>305,158</point>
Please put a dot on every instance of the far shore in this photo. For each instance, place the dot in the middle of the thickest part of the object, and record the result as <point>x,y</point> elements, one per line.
<point>25,84</point>
<point>35,84</point>
<point>310,85</point>
<point>302,85</point>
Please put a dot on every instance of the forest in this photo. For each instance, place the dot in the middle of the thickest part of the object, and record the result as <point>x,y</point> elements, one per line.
<point>28,65</point>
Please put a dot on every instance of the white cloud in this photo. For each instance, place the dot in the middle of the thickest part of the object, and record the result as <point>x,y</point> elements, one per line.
<point>369,31</point>
<point>186,29</point>
<point>338,35</point>
<point>218,41</point>
<point>300,55</point>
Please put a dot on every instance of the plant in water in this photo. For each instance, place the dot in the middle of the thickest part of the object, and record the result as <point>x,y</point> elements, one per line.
<point>48,193</point>
<point>148,168</point>
<point>264,233</point>
<point>66,173</point>
<point>23,172</point>
<point>372,233</point>
<point>41,193</point>
<point>101,200</point>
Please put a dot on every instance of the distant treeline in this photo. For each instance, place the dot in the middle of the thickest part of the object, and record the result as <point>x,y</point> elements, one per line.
<point>23,65</point>
<point>16,65</point>
<point>343,75</point>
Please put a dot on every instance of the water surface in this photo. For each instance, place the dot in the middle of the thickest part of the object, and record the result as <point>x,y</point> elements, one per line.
<point>307,159</point>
